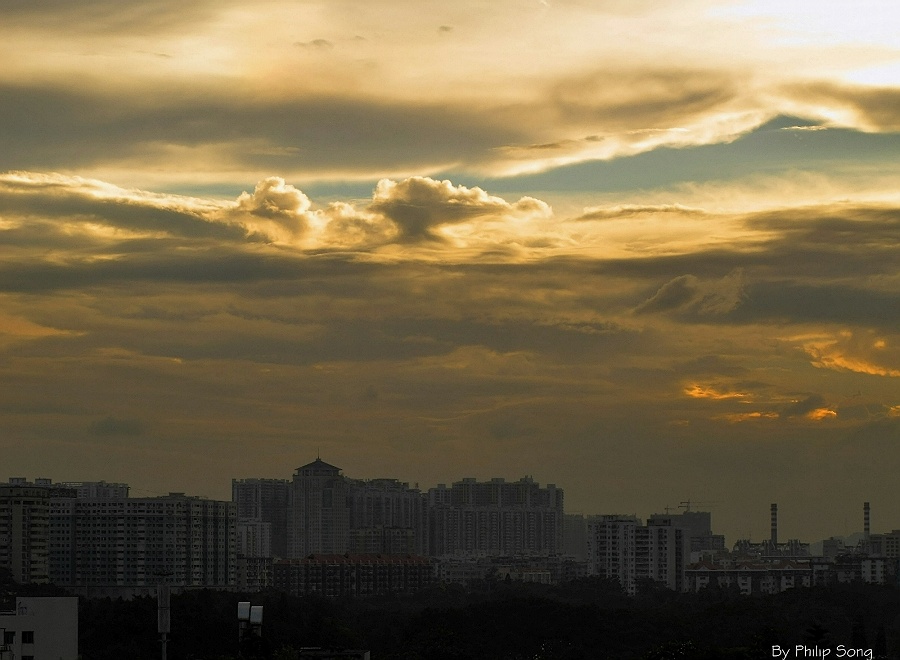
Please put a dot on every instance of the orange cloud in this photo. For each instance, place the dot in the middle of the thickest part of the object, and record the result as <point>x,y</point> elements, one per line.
<point>834,354</point>
<point>697,391</point>
<point>821,413</point>
<point>735,418</point>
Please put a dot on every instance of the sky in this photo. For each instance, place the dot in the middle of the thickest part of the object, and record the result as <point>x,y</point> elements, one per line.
<point>647,251</point>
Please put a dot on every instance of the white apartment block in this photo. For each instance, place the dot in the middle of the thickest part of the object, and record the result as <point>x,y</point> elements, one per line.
<point>662,551</point>
<point>623,549</point>
<point>41,629</point>
<point>612,548</point>
<point>101,543</point>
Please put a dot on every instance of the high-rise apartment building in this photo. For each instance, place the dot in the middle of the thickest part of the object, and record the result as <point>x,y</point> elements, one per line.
<point>623,549</point>
<point>698,528</point>
<point>319,518</point>
<point>109,542</point>
<point>24,524</point>
<point>495,518</point>
<point>323,512</point>
<point>662,552</point>
<point>386,516</point>
<point>575,536</point>
<point>612,548</point>
<point>263,507</point>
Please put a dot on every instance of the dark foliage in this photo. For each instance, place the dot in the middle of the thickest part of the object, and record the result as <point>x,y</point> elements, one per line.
<point>504,621</point>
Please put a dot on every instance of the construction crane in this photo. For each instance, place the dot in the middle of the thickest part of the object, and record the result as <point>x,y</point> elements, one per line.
<point>686,505</point>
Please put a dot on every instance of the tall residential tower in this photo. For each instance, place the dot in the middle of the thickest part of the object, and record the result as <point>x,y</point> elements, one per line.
<point>319,514</point>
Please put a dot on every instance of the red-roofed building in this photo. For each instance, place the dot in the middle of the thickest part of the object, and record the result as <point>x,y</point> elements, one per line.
<point>353,574</point>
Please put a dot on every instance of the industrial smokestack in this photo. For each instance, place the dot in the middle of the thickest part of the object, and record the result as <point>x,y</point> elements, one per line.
<point>774,510</point>
<point>866,520</point>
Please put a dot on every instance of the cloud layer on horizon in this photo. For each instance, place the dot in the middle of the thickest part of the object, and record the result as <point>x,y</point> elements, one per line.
<point>167,326</point>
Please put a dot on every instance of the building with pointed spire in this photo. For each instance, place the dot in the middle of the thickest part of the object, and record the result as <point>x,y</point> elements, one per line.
<point>319,518</point>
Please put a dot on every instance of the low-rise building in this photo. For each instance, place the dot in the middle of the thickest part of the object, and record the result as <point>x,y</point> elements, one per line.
<point>254,538</point>
<point>41,629</point>
<point>849,568</point>
<point>470,571</point>
<point>253,574</point>
<point>352,574</point>
<point>768,549</point>
<point>882,545</point>
<point>466,571</point>
<point>749,576</point>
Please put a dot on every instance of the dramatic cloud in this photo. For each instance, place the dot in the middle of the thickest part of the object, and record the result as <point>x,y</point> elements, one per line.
<point>75,205</point>
<point>704,392</point>
<point>810,406</point>
<point>39,205</point>
<point>690,294</point>
<point>278,209</point>
<point>327,90</point>
<point>419,205</point>
<point>849,351</point>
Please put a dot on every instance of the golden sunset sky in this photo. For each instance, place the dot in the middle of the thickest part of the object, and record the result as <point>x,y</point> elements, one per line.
<point>647,251</point>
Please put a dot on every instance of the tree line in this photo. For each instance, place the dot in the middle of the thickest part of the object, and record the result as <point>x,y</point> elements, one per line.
<point>585,619</point>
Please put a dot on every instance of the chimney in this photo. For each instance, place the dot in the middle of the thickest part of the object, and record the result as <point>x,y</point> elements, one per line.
<point>866,520</point>
<point>774,512</point>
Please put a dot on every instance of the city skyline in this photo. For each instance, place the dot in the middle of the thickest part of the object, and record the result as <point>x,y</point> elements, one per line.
<point>436,494</point>
<point>647,252</point>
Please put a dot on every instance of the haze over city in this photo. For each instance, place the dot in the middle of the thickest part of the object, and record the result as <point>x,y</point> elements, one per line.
<point>649,252</point>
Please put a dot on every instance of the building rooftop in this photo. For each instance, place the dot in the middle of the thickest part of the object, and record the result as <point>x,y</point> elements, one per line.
<point>319,466</point>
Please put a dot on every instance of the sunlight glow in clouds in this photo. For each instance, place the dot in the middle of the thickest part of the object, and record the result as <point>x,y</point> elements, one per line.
<point>821,413</point>
<point>660,240</point>
<point>751,416</point>
<point>241,94</point>
<point>700,392</point>
<point>836,353</point>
